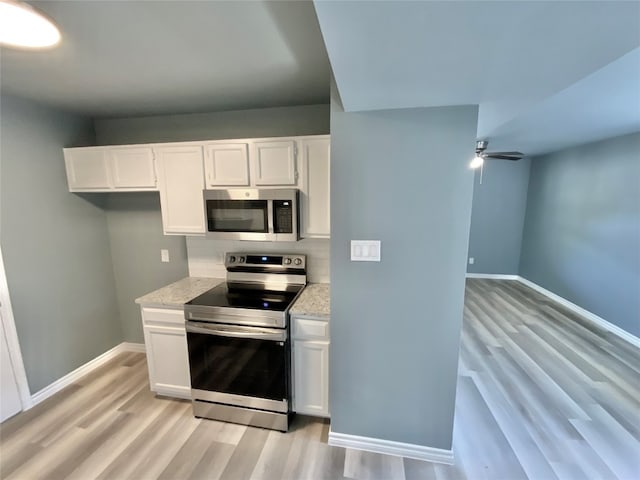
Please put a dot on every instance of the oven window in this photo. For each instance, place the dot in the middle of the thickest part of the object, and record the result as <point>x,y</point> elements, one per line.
<point>256,368</point>
<point>237,216</point>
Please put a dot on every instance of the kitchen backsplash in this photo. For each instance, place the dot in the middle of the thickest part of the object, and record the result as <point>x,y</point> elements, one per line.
<point>206,257</point>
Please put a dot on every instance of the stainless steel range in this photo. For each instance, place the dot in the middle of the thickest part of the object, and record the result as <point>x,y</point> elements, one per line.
<point>238,340</point>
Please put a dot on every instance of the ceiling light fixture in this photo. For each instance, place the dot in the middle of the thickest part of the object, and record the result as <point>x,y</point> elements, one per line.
<point>23,26</point>
<point>476,162</point>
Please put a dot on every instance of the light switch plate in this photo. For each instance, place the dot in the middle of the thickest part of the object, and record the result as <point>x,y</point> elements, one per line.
<point>365,250</point>
<point>164,255</point>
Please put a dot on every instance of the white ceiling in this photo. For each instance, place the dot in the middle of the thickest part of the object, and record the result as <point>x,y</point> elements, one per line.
<point>546,75</point>
<point>602,105</point>
<point>125,58</point>
<point>510,57</point>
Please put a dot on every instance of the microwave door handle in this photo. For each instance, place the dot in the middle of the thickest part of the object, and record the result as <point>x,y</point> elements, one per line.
<point>270,215</point>
<point>236,332</point>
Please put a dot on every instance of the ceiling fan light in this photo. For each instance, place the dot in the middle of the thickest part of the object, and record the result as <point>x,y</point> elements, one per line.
<point>476,162</point>
<point>22,26</point>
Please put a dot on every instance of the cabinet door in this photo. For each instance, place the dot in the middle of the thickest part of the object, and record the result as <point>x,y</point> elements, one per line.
<point>181,181</point>
<point>87,169</point>
<point>316,188</point>
<point>275,163</point>
<point>227,164</point>
<point>133,168</point>
<point>168,360</point>
<point>311,377</point>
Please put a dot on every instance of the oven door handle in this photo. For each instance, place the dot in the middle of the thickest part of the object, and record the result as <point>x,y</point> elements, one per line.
<point>237,331</point>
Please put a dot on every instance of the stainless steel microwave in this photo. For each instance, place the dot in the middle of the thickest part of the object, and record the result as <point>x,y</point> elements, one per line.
<point>270,215</point>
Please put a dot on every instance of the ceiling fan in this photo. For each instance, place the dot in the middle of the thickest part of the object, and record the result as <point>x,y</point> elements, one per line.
<point>481,146</point>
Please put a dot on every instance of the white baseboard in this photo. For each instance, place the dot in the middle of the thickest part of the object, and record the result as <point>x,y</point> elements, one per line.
<point>79,372</point>
<point>592,317</point>
<point>493,276</point>
<point>172,391</point>
<point>132,347</point>
<point>389,447</point>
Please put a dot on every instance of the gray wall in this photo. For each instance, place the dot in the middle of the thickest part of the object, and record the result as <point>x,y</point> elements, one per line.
<point>582,228</point>
<point>402,177</point>
<point>497,216</point>
<point>136,238</point>
<point>55,245</point>
<point>263,122</point>
<point>135,223</point>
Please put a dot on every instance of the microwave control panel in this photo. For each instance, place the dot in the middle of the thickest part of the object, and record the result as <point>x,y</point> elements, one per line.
<point>283,216</point>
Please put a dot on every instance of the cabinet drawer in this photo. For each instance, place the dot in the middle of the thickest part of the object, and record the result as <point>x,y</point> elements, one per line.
<point>163,316</point>
<point>305,328</point>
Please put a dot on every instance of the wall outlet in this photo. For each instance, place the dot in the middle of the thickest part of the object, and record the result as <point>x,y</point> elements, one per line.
<point>472,260</point>
<point>164,255</point>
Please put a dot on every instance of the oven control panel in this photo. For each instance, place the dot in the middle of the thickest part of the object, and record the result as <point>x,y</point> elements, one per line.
<point>268,260</point>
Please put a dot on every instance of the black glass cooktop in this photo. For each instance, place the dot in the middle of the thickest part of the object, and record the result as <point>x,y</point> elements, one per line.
<point>225,296</point>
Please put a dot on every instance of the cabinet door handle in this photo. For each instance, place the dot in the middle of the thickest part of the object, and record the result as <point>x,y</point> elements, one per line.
<point>155,168</point>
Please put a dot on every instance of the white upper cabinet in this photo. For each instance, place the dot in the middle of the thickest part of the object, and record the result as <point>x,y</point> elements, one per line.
<point>181,170</point>
<point>181,181</point>
<point>107,169</point>
<point>87,169</point>
<point>133,168</point>
<point>315,187</point>
<point>275,163</point>
<point>226,164</point>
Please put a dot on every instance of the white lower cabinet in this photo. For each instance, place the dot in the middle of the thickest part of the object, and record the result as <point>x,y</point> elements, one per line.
<point>310,365</point>
<point>165,341</point>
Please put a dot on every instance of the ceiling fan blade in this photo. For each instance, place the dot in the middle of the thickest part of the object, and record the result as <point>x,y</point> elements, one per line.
<point>509,154</point>
<point>504,157</point>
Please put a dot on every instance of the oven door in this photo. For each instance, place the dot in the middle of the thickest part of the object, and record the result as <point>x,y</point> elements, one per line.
<point>237,365</point>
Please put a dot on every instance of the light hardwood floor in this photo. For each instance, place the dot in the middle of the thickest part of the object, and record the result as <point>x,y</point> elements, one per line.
<point>541,395</point>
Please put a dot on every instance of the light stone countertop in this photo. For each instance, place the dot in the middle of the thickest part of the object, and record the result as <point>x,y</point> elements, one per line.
<point>179,293</point>
<point>313,301</point>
